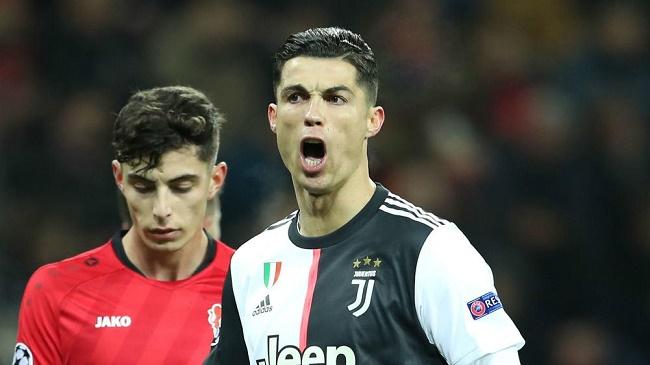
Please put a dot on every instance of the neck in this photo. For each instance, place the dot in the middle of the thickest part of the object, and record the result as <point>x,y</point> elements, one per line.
<point>166,265</point>
<point>325,213</point>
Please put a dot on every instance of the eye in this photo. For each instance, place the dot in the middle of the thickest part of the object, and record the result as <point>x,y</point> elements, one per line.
<point>143,188</point>
<point>336,99</point>
<point>295,98</point>
<point>182,187</point>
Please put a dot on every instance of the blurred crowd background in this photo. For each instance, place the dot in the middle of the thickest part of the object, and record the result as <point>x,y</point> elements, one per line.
<point>525,122</point>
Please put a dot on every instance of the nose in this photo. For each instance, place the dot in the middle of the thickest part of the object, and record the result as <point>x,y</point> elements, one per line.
<point>314,115</point>
<point>161,207</point>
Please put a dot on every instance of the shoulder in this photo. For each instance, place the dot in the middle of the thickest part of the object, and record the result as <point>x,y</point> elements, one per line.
<point>448,247</point>
<point>266,240</point>
<point>284,222</point>
<point>449,264</point>
<point>440,246</point>
<point>440,252</point>
<point>55,280</point>
<point>400,221</point>
<point>46,295</point>
<point>403,210</point>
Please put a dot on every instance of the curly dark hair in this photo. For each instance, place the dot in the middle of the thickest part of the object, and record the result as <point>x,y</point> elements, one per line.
<point>163,119</point>
<point>331,42</point>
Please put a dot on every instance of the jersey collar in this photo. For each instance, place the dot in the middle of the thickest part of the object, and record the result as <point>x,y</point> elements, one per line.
<point>118,248</point>
<point>346,231</point>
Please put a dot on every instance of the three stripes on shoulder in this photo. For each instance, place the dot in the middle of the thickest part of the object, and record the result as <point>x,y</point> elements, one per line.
<point>396,205</point>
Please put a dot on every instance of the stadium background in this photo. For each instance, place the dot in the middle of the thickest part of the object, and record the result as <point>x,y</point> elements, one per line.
<point>526,122</point>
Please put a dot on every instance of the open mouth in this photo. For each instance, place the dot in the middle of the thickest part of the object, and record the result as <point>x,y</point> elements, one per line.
<point>313,153</point>
<point>313,148</point>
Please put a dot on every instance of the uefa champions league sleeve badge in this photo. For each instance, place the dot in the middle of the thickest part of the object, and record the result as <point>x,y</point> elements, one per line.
<point>484,305</point>
<point>22,355</point>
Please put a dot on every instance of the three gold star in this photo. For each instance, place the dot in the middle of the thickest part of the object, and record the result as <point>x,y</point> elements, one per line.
<point>367,261</point>
<point>377,262</point>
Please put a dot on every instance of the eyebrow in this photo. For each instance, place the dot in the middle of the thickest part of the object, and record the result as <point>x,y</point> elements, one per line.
<point>292,88</point>
<point>335,89</point>
<point>302,89</point>
<point>191,177</point>
<point>135,176</point>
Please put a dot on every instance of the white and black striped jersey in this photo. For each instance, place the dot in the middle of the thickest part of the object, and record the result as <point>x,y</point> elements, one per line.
<point>395,285</point>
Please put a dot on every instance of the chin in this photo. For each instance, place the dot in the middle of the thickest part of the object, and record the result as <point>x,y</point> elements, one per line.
<point>169,246</point>
<point>314,186</point>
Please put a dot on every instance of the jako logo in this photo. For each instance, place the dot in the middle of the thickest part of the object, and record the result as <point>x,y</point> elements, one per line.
<point>113,321</point>
<point>312,355</point>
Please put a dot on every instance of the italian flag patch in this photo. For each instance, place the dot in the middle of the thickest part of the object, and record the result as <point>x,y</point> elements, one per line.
<point>271,273</point>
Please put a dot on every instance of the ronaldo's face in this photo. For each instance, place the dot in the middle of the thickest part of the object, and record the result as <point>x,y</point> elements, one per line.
<point>167,204</point>
<point>322,121</point>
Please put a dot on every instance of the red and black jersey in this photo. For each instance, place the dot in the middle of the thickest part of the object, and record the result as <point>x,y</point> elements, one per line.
<point>97,308</point>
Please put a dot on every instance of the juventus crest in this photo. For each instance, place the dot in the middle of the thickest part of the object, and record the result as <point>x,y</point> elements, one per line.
<point>364,278</point>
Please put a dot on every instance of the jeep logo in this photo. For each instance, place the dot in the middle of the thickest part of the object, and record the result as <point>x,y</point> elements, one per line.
<point>312,355</point>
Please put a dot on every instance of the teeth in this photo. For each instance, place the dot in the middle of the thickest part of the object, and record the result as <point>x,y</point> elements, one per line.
<point>313,161</point>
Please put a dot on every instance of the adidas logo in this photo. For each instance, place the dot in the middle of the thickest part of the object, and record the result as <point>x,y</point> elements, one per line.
<point>264,306</point>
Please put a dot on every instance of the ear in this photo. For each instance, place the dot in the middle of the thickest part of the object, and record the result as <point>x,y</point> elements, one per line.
<point>118,174</point>
<point>272,113</point>
<point>217,178</point>
<point>375,121</point>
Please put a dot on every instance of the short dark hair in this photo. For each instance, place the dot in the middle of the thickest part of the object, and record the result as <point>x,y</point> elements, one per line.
<point>163,119</point>
<point>331,43</point>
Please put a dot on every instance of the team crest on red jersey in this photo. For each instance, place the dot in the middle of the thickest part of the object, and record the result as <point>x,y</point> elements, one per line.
<point>214,318</point>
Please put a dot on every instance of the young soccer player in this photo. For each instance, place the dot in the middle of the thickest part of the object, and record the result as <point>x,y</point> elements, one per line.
<point>151,294</point>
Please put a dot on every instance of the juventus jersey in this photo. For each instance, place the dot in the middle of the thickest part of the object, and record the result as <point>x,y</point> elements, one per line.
<point>97,308</point>
<point>395,285</point>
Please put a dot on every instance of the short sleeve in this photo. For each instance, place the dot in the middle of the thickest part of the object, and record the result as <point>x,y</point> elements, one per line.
<point>38,338</point>
<point>456,301</point>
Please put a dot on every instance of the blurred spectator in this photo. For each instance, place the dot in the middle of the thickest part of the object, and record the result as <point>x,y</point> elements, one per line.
<point>581,343</point>
<point>586,342</point>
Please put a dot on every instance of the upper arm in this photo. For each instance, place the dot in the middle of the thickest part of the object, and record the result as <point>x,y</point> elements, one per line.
<point>38,334</point>
<point>450,277</point>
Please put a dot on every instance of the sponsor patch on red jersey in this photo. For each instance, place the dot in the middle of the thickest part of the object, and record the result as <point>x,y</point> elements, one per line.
<point>484,305</point>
